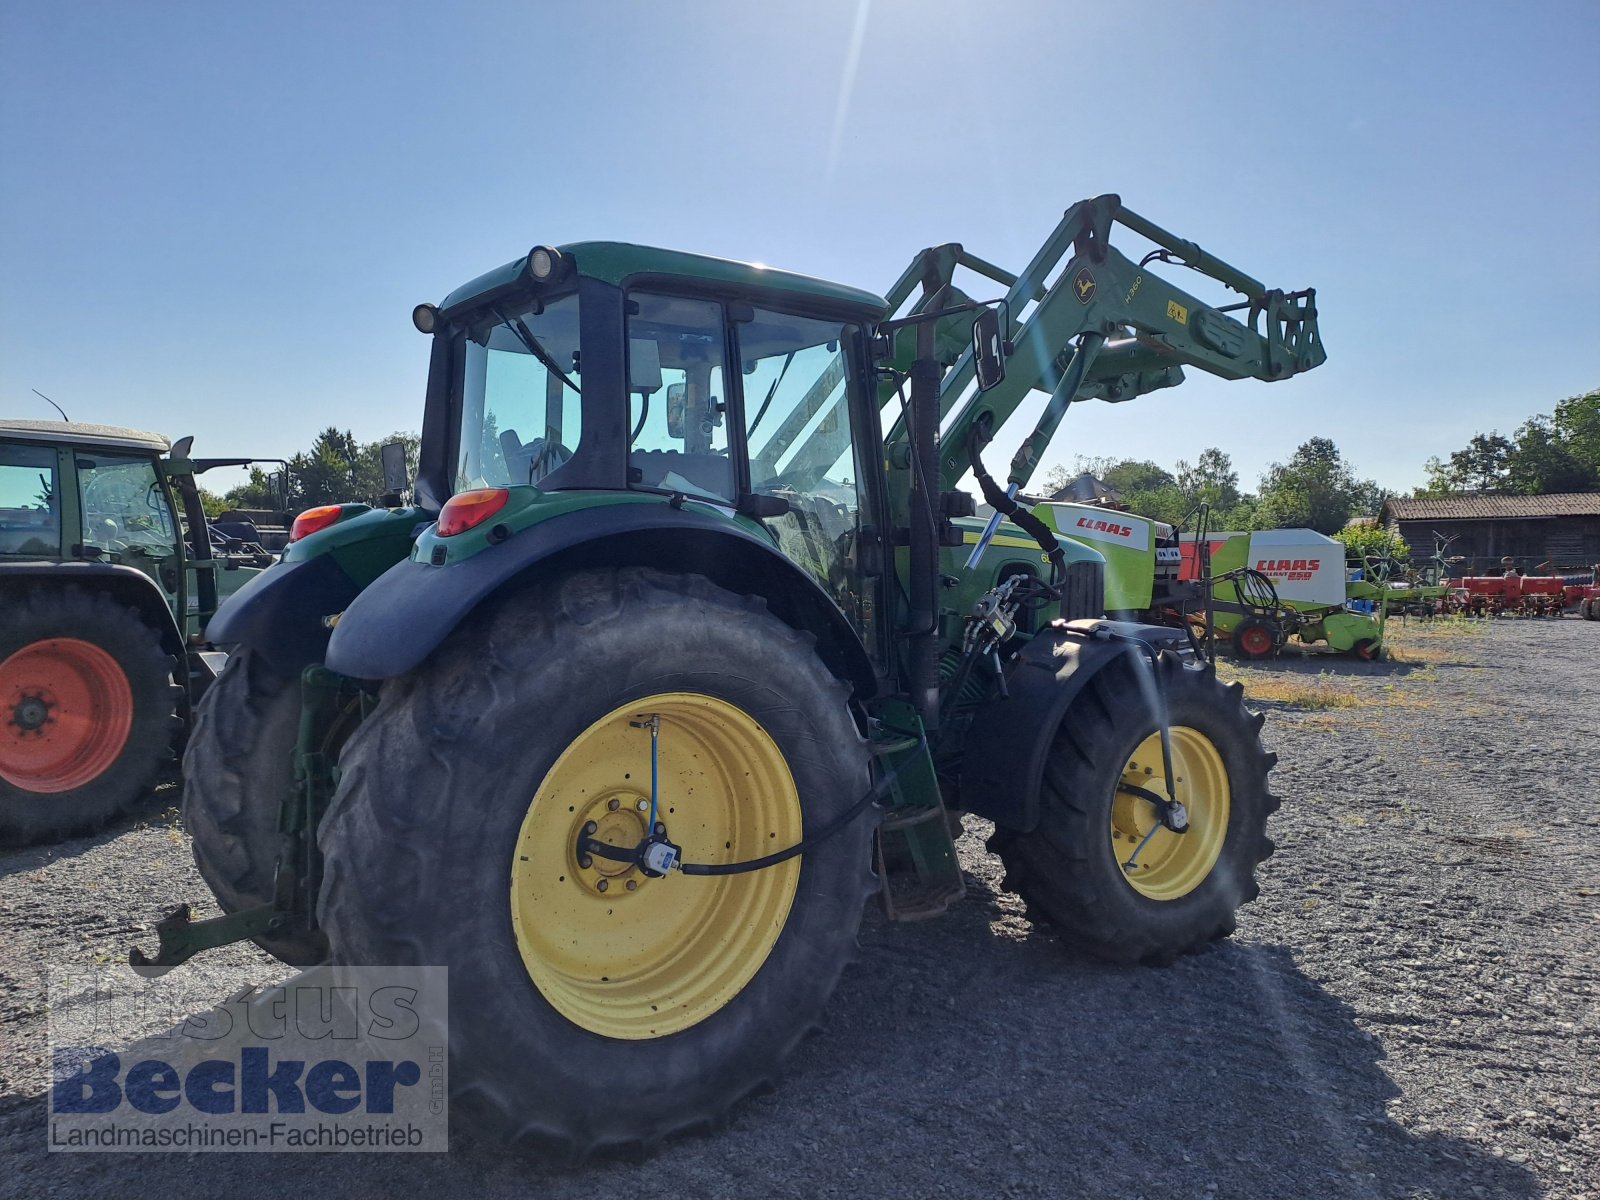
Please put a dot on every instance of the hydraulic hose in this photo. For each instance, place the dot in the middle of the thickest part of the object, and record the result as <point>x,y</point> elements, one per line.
<point>1003,504</point>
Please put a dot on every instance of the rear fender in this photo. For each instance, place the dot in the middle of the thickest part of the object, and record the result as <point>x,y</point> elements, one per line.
<point>392,626</point>
<point>1010,738</point>
<point>282,613</point>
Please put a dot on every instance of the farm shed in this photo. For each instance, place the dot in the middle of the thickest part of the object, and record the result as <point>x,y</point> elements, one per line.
<point>1545,533</point>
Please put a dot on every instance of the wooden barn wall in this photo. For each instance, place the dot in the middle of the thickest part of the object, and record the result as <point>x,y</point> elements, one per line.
<point>1564,541</point>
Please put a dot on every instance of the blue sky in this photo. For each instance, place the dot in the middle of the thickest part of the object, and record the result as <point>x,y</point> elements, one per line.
<point>216,218</point>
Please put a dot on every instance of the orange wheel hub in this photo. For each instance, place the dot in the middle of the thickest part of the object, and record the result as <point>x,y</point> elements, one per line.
<point>1256,641</point>
<point>65,713</point>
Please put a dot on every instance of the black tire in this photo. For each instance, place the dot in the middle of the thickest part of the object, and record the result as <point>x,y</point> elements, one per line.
<point>1066,868</point>
<point>29,812</point>
<point>1367,650</point>
<point>419,842</point>
<point>237,769</point>
<point>1255,638</point>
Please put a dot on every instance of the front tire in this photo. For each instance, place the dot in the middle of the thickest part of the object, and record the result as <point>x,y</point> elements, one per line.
<point>1099,868</point>
<point>237,772</point>
<point>88,712</point>
<point>586,1013</point>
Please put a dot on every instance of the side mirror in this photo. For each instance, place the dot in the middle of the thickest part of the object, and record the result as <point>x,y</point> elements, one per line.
<point>677,401</point>
<point>988,350</point>
<point>395,476</point>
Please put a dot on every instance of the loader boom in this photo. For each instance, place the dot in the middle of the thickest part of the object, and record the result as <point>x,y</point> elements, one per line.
<point>1104,327</point>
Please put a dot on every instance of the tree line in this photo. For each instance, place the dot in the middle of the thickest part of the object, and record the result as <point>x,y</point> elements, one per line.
<point>1549,452</point>
<point>336,469</point>
<point>1314,489</point>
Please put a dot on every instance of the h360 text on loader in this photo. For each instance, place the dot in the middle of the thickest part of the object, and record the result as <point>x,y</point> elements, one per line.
<point>606,723</point>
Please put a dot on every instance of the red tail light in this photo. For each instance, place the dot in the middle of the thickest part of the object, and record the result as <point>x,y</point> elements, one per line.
<point>468,510</point>
<point>313,519</point>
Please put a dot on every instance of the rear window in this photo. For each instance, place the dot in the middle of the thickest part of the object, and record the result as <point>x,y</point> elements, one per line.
<point>30,505</point>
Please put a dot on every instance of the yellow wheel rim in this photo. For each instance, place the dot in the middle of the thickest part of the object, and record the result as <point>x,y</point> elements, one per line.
<point>1167,865</point>
<point>625,955</point>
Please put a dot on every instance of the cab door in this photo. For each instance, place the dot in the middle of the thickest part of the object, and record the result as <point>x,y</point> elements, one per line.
<point>127,515</point>
<point>809,438</point>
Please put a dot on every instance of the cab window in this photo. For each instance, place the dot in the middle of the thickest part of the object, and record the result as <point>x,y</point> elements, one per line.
<point>30,505</point>
<point>678,398</point>
<point>521,394</point>
<point>125,507</point>
<point>797,397</point>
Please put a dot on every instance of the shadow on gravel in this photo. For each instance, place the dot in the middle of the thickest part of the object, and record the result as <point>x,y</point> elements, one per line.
<point>967,1057</point>
<point>1326,664</point>
<point>149,809</point>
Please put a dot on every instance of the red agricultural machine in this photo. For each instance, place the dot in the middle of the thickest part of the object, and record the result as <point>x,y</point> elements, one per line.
<point>1528,595</point>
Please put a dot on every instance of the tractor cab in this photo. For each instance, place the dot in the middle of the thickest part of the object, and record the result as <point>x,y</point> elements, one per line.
<point>655,375</point>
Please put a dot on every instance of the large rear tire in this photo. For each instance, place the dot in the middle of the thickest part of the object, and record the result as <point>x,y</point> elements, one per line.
<point>592,1006</point>
<point>88,711</point>
<point>237,771</point>
<point>1099,867</point>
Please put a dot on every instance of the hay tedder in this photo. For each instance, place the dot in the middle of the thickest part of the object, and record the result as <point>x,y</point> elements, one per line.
<point>691,643</point>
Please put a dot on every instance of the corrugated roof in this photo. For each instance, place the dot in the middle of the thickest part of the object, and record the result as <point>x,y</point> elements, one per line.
<point>1481,505</point>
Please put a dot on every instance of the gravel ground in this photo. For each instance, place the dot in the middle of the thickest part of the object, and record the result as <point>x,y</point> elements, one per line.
<point>1410,1010</point>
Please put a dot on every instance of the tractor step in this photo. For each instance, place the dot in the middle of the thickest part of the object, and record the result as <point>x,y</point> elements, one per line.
<point>916,860</point>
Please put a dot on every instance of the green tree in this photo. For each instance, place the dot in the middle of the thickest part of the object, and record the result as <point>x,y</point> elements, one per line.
<point>1315,489</point>
<point>1557,452</point>
<point>1373,541</point>
<point>1577,423</point>
<point>1542,461</point>
<point>1137,475</point>
<point>213,504</point>
<point>1481,467</point>
<point>1211,479</point>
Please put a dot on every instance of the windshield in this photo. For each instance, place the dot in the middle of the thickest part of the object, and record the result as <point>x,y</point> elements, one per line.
<point>520,394</point>
<point>124,506</point>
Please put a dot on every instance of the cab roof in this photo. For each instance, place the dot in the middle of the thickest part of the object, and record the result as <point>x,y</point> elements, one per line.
<point>616,262</point>
<point>85,434</point>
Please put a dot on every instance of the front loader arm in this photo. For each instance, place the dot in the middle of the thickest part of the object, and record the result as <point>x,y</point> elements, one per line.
<point>1111,328</point>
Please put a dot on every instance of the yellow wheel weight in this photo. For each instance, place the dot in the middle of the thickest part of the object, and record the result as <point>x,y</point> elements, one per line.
<point>1168,865</point>
<point>625,955</point>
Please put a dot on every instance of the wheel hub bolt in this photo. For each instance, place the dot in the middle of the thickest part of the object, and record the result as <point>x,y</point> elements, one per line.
<point>613,804</point>
<point>585,861</point>
<point>602,885</point>
<point>632,884</point>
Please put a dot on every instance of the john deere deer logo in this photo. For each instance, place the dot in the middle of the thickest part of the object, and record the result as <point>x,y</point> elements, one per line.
<point>1083,284</point>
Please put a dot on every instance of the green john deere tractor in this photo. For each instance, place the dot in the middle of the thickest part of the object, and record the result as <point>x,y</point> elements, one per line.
<point>691,643</point>
<point>108,573</point>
